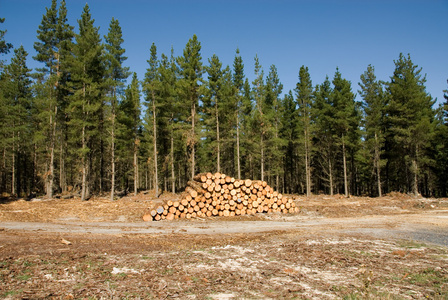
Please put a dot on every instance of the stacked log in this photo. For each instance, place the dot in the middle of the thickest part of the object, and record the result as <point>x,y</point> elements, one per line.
<point>211,195</point>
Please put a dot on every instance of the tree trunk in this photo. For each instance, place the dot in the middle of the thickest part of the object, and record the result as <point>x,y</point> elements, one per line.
<point>330,174</point>
<point>173,177</point>
<point>112,156</point>
<point>344,160</point>
<point>193,117</point>
<point>277,182</point>
<point>136,179</point>
<point>13,177</point>
<point>179,176</point>
<point>50,175</point>
<point>238,145</point>
<point>415,171</point>
<point>34,176</point>
<point>146,177</point>
<point>378,166</point>
<point>63,147</point>
<point>415,179</point>
<point>154,122</point>
<point>83,158</point>
<point>277,162</point>
<point>62,176</point>
<point>262,155</point>
<point>102,158</point>
<point>84,169</point>
<point>307,164</point>
<point>3,171</point>
<point>218,158</point>
<point>307,169</point>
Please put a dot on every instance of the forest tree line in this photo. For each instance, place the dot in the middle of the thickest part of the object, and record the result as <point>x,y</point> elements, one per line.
<point>77,125</point>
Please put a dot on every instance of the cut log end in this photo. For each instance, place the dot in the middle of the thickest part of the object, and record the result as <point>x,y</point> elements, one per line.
<point>216,194</point>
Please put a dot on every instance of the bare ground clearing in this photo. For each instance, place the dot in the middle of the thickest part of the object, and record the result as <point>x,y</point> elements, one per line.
<point>392,247</point>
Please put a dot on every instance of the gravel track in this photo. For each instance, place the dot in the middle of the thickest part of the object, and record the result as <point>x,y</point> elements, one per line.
<point>427,226</point>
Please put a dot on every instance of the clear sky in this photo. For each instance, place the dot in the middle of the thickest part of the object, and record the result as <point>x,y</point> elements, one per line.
<point>320,34</point>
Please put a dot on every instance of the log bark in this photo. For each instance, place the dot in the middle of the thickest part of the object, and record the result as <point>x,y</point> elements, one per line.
<point>202,177</point>
<point>211,195</point>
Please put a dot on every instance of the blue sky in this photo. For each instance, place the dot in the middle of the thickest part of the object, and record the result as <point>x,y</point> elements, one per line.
<point>320,34</point>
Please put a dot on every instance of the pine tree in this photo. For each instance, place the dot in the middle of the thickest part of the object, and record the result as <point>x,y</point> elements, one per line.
<point>323,116</point>
<point>3,132</point>
<point>128,136</point>
<point>445,107</point>
<point>151,89</point>
<point>4,49</point>
<point>87,73</point>
<point>64,35</point>
<point>191,71</point>
<point>374,112</point>
<point>258,90</point>
<point>212,108</point>
<point>289,129</point>
<point>346,118</point>
<point>247,140</point>
<point>53,36</point>
<point>4,46</point>
<point>17,96</point>
<point>116,75</point>
<point>440,146</point>
<point>272,112</point>
<point>304,95</point>
<point>53,49</point>
<point>45,53</point>
<point>46,34</point>
<point>168,73</point>
<point>410,115</point>
<point>238,77</point>
<point>228,121</point>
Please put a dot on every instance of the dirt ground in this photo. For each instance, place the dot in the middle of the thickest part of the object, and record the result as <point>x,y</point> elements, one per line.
<point>394,247</point>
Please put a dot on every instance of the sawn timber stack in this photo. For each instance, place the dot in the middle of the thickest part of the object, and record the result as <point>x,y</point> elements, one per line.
<point>209,195</point>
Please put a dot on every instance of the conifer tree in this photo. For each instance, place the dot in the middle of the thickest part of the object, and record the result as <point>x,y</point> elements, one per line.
<point>304,95</point>
<point>289,129</point>
<point>258,90</point>
<point>238,77</point>
<point>3,132</point>
<point>323,115</point>
<point>228,121</point>
<point>374,112</point>
<point>151,88</point>
<point>17,96</point>
<point>440,146</point>
<point>168,72</point>
<point>248,142</point>
<point>272,107</point>
<point>410,115</point>
<point>128,135</point>
<point>445,107</point>
<point>4,46</point>
<point>213,106</point>
<point>46,34</point>
<point>65,35</point>
<point>191,71</point>
<point>116,75</point>
<point>54,35</point>
<point>346,120</point>
<point>45,48</point>
<point>87,73</point>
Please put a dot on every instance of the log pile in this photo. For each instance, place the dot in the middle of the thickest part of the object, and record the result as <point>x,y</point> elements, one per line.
<point>209,195</point>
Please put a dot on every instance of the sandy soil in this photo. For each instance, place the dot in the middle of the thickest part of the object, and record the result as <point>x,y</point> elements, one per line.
<point>392,247</point>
